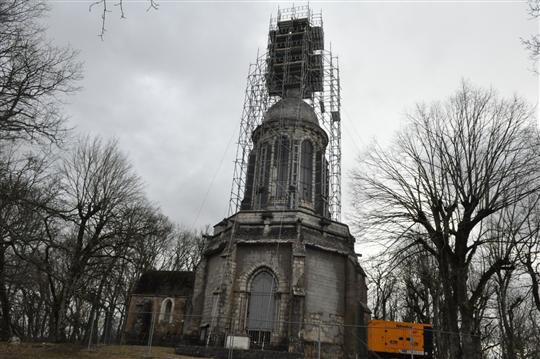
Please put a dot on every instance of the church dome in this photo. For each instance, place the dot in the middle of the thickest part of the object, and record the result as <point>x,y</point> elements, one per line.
<point>291,108</point>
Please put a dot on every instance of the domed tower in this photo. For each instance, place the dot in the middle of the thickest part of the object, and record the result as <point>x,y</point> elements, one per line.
<point>287,167</point>
<point>281,271</point>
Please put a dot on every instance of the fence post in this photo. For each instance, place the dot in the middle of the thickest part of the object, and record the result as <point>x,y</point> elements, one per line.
<point>149,352</point>
<point>319,343</point>
<point>231,343</point>
<point>91,332</point>
<point>412,342</point>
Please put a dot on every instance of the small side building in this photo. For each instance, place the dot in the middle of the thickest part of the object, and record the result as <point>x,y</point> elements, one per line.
<point>158,304</point>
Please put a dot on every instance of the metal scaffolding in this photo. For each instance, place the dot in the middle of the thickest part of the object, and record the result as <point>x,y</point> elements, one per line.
<point>295,58</point>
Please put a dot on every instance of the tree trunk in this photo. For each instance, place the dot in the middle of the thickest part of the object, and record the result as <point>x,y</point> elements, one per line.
<point>466,335</point>
<point>450,308</point>
<point>66,296</point>
<point>122,322</point>
<point>470,337</point>
<point>5,328</point>
<point>107,325</point>
<point>59,314</point>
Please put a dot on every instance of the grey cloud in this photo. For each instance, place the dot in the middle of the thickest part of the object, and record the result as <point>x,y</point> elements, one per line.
<point>170,83</point>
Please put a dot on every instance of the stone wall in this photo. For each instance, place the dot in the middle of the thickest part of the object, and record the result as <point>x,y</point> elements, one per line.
<point>194,316</point>
<point>144,314</point>
<point>214,277</point>
<point>320,292</point>
<point>250,258</point>
<point>325,289</point>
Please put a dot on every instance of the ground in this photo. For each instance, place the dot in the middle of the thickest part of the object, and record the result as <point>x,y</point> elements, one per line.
<point>71,351</point>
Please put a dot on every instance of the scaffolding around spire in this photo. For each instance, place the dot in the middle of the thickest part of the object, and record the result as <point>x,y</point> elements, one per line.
<point>295,60</point>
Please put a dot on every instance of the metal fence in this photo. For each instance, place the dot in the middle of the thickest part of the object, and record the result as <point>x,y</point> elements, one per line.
<point>219,338</point>
<point>156,335</point>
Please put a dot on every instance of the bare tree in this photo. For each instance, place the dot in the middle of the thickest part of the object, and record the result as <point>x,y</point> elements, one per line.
<point>34,74</point>
<point>383,292</point>
<point>98,183</point>
<point>530,254</point>
<point>458,164</point>
<point>187,249</point>
<point>405,287</point>
<point>75,234</point>
<point>22,193</point>
<point>517,314</point>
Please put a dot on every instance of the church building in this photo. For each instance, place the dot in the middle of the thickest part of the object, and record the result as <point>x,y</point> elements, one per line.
<point>281,272</point>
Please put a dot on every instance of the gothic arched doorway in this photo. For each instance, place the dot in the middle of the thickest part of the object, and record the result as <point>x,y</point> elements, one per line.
<point>260,318</point>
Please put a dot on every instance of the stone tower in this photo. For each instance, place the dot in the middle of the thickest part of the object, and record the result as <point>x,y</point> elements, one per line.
<point>281,273</point>
<point>287,168</point>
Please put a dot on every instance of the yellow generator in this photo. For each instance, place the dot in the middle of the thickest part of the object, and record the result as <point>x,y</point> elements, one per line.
<point>399,340</point>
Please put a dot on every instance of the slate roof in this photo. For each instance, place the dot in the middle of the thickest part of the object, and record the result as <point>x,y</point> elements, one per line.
<point>173,283</point>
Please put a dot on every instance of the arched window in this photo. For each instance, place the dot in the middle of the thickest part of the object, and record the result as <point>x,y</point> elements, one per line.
<point>320,184</point>
<point>250,177</point>
<point>166,312</point>
<point>260,319</point>
<point>281,156</point>
<point>263,174</point>
<point>306,171</point>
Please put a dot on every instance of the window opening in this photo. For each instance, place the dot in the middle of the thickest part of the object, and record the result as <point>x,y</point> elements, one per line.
<point>282,155</point>
<point>261,309</point>
<point>166,310</point>
<point>263,175</point>
<point>306,171</point>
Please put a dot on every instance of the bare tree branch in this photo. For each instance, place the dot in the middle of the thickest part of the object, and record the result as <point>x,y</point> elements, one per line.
<point>104,4</point>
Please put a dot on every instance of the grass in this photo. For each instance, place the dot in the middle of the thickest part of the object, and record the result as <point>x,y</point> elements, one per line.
<point>72,351</point>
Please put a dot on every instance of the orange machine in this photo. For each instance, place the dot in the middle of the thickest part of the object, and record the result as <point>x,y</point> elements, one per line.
<point>388,339</point>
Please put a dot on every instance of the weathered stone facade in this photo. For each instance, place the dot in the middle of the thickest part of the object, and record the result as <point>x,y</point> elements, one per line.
<point>320,292</point>
<point>280,271</point>
<point>158,303</point>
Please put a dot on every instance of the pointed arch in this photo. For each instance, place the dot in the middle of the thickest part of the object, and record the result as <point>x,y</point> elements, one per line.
<point>263,177</point>
<point>250,178</point>
<point>166,310</point>
<point>281,159</point>
<point>306,171</point>
<point>261,306</point>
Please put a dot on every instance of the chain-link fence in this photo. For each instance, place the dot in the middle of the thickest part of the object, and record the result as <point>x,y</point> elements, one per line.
<point>160,335</point>
<point>220,337</point>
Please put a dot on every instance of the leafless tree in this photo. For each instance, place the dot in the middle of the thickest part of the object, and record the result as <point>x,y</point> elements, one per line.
<point>187,249</point>
<point>34,74</point>
<point>405,288</point>
<point>530,253</point>
<point>22,195</point>
<point>457,165</point>
<point>97,184</point>
<point>517,314</point>
<point>509,305</point>
<point>75,234</point>
<point>383,291</point>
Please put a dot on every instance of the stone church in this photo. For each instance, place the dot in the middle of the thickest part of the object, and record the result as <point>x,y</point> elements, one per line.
<point>282,273</point>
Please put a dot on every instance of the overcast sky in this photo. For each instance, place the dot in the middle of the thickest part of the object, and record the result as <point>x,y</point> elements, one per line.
<point>169,84</point>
